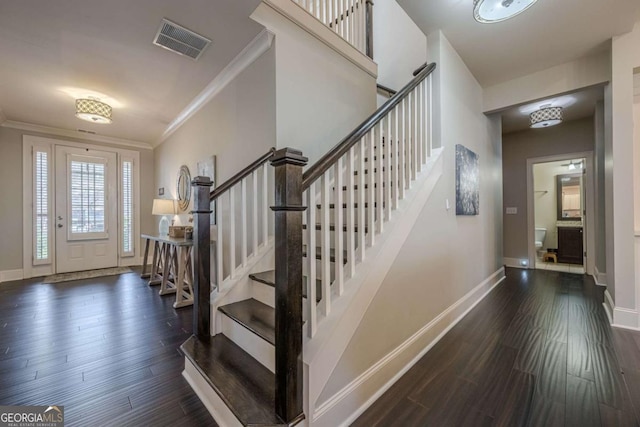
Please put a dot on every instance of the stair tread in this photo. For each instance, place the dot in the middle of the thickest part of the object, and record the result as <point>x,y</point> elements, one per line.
<point>246,386</point>
<point>269,278</point>
<point>257,317</point>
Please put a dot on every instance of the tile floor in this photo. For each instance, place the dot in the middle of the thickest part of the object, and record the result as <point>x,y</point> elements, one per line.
<point>565,268</point>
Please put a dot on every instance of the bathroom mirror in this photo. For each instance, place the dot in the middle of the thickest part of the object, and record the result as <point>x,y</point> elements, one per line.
<point>183,189</point>
<point>569,195</point>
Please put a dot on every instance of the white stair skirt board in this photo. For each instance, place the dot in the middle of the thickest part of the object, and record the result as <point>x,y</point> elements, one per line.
<point>258,348</point>
<point>208,396</point>
<point>89,274</point>
<point>322,353</point>
<point>11,275</point>
<point>350,402</point>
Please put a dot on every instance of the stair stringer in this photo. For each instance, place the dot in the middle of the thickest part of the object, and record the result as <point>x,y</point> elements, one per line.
<point>323,352</point>
<point>240,287</point>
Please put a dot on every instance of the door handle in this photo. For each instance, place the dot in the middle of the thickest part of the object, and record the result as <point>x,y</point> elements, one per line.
<point>59,225</point>
<point>59,218</point>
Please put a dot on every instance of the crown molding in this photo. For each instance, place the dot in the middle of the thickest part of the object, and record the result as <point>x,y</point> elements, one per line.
<point>259,45</point>
<point>74,134</point>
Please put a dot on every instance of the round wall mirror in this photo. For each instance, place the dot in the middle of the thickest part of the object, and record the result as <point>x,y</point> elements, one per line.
<point>183,188</point>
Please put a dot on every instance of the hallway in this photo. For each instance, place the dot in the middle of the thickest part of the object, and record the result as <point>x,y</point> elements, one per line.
<point>537,351</point>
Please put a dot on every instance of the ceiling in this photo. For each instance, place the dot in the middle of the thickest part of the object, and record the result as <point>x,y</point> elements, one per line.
<point>575,106</point>
<point>549,33</point>
<point>56,51</point>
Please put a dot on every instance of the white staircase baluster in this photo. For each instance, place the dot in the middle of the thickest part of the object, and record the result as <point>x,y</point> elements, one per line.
<point>219,247</point>
<point>420,127</point>
<point>414,134</point>
<point>362,224</point>
<point>402,137</point>
<point>232,232</point>
<point>408,135</point>
<point>254,204</point>
<point>371,188</point>
<point>387,167</point>
<point>351,210</point>
<point>377,168</point>
<point>265,204</point>
<point>243,225</point>
<point>325,261</point>
<point>429,116</point>
<point>339,223</point>
<point>311,259</point>
<point>394,160</point>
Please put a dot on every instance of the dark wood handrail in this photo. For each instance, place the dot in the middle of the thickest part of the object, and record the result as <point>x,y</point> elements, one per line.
<point>244,172</point>
<point>420,68</point>
<point>390,91</point>
<point>329,159</point>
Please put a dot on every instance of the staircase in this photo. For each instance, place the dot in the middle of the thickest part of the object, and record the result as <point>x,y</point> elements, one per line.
<point>278,276</point>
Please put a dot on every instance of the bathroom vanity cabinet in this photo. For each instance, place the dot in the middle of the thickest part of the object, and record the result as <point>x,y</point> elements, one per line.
<point>570,249</point>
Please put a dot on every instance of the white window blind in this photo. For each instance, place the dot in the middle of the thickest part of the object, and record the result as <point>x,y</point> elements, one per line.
<point>127,208</point>
<point>41,207</point>
<point>88,197</point>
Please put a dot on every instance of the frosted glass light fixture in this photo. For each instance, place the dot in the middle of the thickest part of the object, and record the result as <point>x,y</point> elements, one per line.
<point>163,207</point>
<point>546,116</point>
<point>92,110</point>
<point>491,11</point>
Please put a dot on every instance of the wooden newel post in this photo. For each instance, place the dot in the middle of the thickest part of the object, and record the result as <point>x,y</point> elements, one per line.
<point>288,208</point>
<point>369,28</point>
<point>201,253</point>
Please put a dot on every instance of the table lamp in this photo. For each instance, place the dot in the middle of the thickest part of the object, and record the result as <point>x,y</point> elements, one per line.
<point>163,207</point>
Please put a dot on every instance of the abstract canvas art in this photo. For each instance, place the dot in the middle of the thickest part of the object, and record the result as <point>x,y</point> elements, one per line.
<point>467,181</point>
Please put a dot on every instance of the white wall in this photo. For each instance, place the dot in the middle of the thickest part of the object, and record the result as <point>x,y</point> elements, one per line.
<point>570,137</point>
<point>621,157</point>
<point>399,46</point>
<point>11,192</point>
<point>568,77</point>
<point>445,255</point>
<point>321,95</point>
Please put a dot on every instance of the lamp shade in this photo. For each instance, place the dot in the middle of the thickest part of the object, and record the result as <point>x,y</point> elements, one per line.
<point>163,207</point>
<point>93,110</point>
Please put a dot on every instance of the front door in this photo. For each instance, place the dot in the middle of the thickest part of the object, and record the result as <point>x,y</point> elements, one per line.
<point>86,209</point>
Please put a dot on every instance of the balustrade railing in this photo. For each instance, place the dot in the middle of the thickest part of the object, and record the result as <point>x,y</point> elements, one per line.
<point>352,191</point>
<point>350,19</point>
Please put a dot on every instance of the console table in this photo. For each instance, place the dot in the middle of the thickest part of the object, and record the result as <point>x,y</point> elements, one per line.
<point>172,267</point>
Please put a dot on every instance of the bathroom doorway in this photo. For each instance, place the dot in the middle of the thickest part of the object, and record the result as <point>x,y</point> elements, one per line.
<point>560,214</point>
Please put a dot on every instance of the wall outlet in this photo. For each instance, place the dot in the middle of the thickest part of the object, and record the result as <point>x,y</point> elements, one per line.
<point>161,191</point>
<point>512,211</point>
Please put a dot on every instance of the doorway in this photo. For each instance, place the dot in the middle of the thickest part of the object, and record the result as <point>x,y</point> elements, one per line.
<point>86,209</point>
<point>560,212</point>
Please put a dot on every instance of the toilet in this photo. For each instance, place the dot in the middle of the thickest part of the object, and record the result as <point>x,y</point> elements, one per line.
<point>539,237</point>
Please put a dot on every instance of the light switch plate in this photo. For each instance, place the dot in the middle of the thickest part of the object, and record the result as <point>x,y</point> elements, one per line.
<point>512,211</point>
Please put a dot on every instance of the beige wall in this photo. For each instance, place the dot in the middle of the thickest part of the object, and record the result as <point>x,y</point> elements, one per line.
<point>446,255</point>
<point>237,126</point>
<point>570,137</point>
<point>11,192</point>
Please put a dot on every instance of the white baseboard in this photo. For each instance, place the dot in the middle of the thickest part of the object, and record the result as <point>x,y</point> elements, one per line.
<point>600,278</point>
<point>349,403</point>
<point>10,275</point>
<point>214,404</point>
<point>620,317</point>
<point>513,262</point>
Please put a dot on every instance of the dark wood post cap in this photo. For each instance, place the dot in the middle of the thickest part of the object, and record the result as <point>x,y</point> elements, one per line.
<point>288,156</point>
<point>201,181</point>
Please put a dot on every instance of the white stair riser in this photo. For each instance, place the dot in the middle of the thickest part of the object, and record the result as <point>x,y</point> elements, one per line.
<point>258,348</point>
<point>263,293</point>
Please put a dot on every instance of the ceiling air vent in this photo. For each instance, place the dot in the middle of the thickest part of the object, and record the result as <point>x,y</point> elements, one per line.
<point>180,40</point>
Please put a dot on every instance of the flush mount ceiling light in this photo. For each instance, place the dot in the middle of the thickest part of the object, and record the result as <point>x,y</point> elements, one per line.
<point>491,11</point>
<point>92,110</point>
<point>546,116</point>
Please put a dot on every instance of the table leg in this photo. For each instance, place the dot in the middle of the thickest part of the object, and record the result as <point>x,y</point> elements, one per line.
<point>184,297</point>
<point>144,274</point>
<point>166,287</point>
<point>157,262</point>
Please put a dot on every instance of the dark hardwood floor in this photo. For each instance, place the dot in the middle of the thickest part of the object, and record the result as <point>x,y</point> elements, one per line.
<point>105,348</point>
<point>537,351</point>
